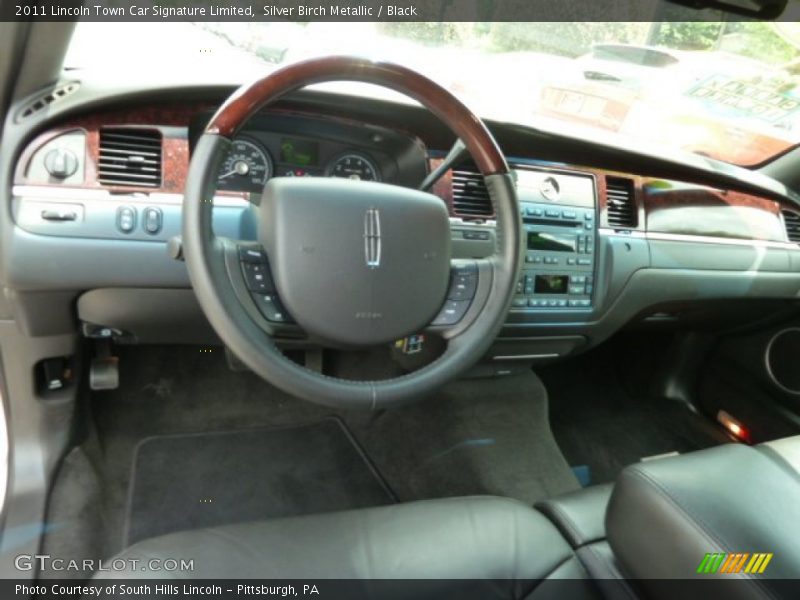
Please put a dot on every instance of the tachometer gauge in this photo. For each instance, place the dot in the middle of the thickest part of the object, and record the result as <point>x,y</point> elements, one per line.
<point>246,169</point>
<point>353,166</point>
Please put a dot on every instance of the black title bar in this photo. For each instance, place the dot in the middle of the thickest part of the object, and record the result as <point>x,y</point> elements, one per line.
<point>359,10</point>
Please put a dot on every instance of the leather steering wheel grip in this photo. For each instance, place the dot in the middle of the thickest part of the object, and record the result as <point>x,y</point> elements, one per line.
<point>205,257</point>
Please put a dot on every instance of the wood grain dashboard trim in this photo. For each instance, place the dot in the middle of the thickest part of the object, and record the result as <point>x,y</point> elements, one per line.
<point>688,209</point>
<point>171,120</point>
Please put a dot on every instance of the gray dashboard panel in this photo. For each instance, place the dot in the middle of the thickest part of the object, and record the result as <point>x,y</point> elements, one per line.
<point>97,214</point>
<point>46,262</point>
<point>92,252</point>
<point>719,256</point>
<point>153,316</point>
<point>96,254</point>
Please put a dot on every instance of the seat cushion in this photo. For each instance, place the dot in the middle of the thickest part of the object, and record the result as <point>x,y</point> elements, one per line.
<point>476,538</point>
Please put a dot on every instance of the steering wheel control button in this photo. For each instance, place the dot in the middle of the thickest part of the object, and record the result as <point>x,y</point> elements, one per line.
<point>463,282</point>
<point>126,219</point>
<point>152,220</point>
<point>452,312</point>
<point>476,235</point>
<point>462,286</point>
<point>257,277</point>
<point>255,269</point>
<point>251,255</point>
<point>270,306</point>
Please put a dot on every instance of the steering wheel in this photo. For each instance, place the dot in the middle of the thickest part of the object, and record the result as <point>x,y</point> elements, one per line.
<point>350,264</point>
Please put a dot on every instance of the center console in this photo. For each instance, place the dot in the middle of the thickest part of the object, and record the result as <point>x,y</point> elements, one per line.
<point>559,216</point>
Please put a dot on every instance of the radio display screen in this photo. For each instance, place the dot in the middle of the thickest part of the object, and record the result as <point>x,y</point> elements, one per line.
<point>552,242</point>
<point>551,284</point>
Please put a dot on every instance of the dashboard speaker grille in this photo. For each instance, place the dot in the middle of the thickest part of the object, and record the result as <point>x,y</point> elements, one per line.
<point>38,104</point>
<point>620,204</point>
<point>470,196</point>
<point>791,222</point>
<point>130,156</point>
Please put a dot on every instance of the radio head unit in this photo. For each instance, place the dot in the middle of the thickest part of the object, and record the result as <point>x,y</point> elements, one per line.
<point>559,217</point>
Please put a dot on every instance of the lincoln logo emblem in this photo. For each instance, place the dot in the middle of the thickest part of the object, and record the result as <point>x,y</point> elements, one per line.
<point>372,238</point>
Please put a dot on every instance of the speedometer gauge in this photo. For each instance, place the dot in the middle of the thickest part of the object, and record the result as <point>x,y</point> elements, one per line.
<point>353,166</point>
<point>246,168</point>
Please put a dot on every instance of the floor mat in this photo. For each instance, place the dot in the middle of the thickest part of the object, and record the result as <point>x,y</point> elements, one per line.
<point>486,436</point>
<point>203,480</point>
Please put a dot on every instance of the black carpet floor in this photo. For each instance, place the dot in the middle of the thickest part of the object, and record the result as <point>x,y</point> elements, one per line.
<point>487,436</point>
<point>603,419</point>
<point>191,481</point>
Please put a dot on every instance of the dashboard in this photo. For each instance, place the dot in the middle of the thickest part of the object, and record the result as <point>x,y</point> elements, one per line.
<point>96,200</point>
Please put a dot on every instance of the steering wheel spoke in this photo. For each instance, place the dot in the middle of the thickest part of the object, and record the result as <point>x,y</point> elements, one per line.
<point>467,293</point>
<point>468,289</point>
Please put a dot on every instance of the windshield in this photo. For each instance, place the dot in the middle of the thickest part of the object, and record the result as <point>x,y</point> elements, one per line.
<point>727,90</point>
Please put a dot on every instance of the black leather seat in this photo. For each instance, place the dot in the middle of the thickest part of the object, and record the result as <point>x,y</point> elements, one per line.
<point>659,521</point>
<point>662,517</point>
<point>503,547</point>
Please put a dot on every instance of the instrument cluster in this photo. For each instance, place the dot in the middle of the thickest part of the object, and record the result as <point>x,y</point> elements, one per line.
<point>253,160</point>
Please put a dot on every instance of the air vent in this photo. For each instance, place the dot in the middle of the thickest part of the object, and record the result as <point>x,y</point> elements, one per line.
<point>470,196</point>
<point>620,204</point>
<point>791,222</point>
<point>39,103</point>
<point>130,156</point>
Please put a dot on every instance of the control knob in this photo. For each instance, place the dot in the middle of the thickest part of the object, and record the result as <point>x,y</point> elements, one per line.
<point>60,163</point>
